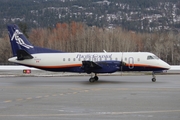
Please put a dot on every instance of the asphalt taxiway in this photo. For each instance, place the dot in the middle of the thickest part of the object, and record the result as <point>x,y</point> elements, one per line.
<point>112,97</point>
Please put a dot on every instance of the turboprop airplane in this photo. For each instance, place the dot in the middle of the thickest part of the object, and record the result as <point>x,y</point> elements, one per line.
<point>24,53</point>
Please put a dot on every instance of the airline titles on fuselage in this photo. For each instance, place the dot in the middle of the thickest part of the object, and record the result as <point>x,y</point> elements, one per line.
<point>94,56</point>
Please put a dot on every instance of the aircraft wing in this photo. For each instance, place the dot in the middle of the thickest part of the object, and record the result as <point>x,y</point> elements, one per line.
<point>100,66</point>
<point>89,65</point>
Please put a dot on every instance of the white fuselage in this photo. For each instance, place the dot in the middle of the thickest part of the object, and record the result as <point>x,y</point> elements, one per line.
<point>66,60</point>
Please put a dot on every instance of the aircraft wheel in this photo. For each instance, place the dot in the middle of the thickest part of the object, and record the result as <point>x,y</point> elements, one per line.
<point>96,78</point>
<point>153,79</point>
<point>91,80</point>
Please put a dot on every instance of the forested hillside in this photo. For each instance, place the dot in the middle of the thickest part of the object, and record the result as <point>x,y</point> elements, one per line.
<point>137,15</point>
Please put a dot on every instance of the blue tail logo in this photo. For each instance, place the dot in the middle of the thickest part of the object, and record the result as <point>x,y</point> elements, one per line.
<point>20,40</point>
<point>21,46</point>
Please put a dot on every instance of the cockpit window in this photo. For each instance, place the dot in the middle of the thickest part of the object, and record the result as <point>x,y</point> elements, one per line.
<point>155,57</point>
<point>152,57</point>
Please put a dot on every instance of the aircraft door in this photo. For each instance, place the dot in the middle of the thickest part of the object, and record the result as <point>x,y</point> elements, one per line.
<point>131,62</point>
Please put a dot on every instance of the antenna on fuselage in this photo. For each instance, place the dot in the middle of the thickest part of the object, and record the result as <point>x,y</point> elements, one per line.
<point>104,51</point>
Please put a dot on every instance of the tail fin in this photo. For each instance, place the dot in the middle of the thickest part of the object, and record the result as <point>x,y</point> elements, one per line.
<point>21,47</point>
<point>19,41</point>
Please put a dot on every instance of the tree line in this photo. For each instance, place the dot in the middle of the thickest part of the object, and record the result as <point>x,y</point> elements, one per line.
<point>137,15</point>
<point>78,37</point>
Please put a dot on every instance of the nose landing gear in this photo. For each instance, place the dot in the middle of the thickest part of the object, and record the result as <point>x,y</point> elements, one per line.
<point>154,77</point>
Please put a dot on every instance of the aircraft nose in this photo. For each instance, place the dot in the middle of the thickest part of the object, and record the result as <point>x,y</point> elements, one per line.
<point>167,66</point>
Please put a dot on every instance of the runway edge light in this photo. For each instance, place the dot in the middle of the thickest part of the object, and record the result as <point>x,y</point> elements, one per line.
<point>27,71</point>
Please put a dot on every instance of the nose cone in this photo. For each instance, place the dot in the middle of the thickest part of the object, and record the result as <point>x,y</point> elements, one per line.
<point>166,66</point>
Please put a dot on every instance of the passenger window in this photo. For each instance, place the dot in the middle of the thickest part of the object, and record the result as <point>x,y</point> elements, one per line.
<point>64,59</point>
<point>69,59</point>
<point>125,59</point>
<point>100,59</point>
<point>138,59</point>
<point>74,59</point>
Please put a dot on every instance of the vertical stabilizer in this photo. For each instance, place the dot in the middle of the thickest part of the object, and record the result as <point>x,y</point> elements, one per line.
<point>21,46</point>
<point>19,41</point>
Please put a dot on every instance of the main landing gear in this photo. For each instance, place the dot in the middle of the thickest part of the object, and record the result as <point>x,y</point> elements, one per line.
<point>154,77</point>
<point>93,78</point>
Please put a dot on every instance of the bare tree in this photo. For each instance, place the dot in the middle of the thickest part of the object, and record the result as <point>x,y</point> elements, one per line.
<point>78,37</point>
<point>5,49</point>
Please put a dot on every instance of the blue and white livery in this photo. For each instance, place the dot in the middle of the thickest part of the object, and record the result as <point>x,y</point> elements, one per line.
<point>24,53</point>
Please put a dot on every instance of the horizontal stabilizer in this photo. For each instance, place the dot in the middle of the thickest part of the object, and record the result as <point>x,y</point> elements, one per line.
<point>22,55</point>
